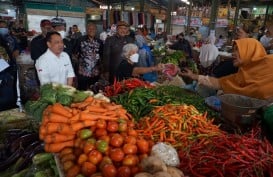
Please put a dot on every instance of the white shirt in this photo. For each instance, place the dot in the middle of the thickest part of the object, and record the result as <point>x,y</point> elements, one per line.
<point>265,41</point>
<point>53,69</point>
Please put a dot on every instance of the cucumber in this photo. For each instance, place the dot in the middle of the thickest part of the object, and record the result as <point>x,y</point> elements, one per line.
<point>41,158</point>
<point>21,173</point>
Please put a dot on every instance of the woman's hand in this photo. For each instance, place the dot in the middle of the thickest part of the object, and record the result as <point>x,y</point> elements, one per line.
<point>188,73</point>
<point>158,67</point>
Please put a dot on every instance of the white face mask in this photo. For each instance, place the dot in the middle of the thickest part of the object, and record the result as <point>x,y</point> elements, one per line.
<point>134,57</point>
<point>62,33</point>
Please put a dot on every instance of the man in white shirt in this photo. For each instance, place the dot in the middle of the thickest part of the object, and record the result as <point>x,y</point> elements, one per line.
<point>54,66</point>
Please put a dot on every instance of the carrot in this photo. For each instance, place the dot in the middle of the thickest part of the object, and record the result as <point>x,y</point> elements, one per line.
<point>89,99</point>
<point>97,109</point>
<point>60,109</point>
<point>57,147</point>
<point>90,116</point>
<point>75,111</point>
<point>58,128</point>
<point>110,106</point>
<point>75,118</point>
<point>56,137</point>
<point>58,118</point>
<point>82,124</point>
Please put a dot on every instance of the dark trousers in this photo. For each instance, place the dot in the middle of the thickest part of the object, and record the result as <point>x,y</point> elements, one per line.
<point>84,82</point>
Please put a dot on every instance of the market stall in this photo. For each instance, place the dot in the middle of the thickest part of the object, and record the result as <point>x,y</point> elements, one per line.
<point>132,129</point>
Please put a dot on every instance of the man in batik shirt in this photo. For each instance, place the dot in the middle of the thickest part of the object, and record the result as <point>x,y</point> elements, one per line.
<point>89,50</point>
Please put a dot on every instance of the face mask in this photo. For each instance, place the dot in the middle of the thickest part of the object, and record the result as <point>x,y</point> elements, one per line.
<point>62,33</point>
<point>134,57</point>
<point>4,31</point>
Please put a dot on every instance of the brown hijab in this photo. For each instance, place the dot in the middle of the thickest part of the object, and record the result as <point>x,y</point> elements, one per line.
<point>255,75</point>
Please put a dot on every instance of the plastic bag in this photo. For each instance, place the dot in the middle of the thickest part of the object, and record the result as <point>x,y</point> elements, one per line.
<point>166,153</point>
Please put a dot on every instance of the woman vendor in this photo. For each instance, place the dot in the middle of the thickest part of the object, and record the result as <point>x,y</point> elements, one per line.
<point>127,67</point>
<point>254,77</point>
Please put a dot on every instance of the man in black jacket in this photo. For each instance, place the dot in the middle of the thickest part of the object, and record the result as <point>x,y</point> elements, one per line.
<point>38,44</point>
<point>113,48</point>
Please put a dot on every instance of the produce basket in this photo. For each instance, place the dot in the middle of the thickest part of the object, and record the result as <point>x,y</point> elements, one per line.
<point>240,110</point>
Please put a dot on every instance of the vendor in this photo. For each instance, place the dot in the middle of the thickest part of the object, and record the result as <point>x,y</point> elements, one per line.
<point>254,77</point>
<point>127,68</point>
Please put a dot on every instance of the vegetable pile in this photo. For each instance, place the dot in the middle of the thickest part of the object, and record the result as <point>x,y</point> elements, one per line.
<point>53,93</point>
<point>228,155</point>
<point>140,101</point>
<point>178,125</point>
<point>174,57</point>
<point>124,86</point>
<point>93,136</point>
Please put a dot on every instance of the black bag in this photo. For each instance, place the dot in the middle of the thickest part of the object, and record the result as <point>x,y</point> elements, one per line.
<point>7,90</point>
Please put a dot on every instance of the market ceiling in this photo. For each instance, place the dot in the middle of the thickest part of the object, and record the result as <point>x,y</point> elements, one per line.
<point>164,3</point>
<point>155,3</point>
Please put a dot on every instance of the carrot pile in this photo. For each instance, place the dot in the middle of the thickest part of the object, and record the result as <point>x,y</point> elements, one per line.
<point>229,155</point>
<point>178,125</point>
<point>60,124</point>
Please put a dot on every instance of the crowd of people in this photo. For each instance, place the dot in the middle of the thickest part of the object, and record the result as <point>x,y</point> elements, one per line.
<point>81,60</point>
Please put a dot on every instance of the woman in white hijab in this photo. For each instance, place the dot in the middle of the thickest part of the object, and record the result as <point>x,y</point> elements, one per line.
<point>208,54</point>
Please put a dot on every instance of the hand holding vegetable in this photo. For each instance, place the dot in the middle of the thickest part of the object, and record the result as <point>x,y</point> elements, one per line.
<point>158,67</point>
<point>188,73</point>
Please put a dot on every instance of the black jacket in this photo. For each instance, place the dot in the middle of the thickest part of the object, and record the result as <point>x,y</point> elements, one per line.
<point>112,53</point>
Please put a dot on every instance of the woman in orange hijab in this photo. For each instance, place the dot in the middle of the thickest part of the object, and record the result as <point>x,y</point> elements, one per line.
<point>255,74</point>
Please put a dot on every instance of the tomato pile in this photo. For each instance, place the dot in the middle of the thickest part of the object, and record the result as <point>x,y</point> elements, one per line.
<point>112,148</point>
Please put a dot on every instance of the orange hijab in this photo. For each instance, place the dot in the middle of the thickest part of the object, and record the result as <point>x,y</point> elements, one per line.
<point>255,75</point>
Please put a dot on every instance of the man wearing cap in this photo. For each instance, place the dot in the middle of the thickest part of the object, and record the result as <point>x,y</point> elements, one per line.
<point>38,44</point>
<point>113,48</point>
<point>54,66</point>
<point>59,25</point>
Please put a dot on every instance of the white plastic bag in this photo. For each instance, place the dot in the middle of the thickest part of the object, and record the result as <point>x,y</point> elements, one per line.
<point>166,153</point>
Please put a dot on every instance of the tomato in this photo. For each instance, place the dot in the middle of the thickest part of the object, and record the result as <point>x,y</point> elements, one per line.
<point>122,126</point>
<point>102,146</point>
<point>143,146</point>
<point>100,132</point>
<point>95,157</point>
<point>101,124</point>
<point>131,124</point>
<point>105,160</point>
<point>105,138</point>
<point>91,141</point>
<point>112,126</point>
<point>130,160</point>
<point>142,156</point>
<point>77,151</point>
<point>135,170</point>
<point>85,133</point>
<point>129,148</point>
<point>116,140</point>
<point>88,168</point>
<point>73,171</point>
<point>78,142</point>
<point>116,154</point>
<point>82,158</point>
<point>67,165</point>
<point>88,148</point>
<point>109,170</point>
<point>124,171</point>
<point>132,132</point>
<point>130,140</point>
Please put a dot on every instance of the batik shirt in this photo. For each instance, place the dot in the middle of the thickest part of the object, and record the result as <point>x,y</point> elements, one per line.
<point>90,52</point>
